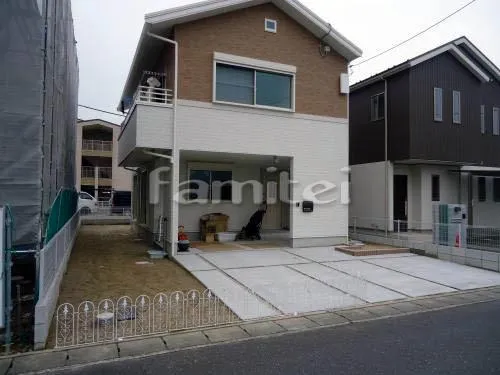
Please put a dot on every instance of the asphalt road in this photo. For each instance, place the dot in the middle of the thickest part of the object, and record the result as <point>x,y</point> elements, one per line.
<point>463,340</point>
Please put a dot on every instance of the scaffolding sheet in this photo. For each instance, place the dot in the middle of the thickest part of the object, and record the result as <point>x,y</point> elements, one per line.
<point>38,110</point>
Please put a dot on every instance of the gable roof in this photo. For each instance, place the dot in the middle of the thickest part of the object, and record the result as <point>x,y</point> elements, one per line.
<point>96,121</point>
<point>454,48</point>
<point>162,21</point>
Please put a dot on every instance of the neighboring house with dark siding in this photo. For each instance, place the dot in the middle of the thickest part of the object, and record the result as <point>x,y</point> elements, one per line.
<point>443,138</point>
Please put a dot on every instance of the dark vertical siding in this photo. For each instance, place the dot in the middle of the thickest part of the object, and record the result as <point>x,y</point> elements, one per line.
<point>398,93</point>
<point>445,141</point>
<point>366,137</point>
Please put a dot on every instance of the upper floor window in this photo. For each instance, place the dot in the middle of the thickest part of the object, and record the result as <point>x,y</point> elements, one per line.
<point>483,119</point>
<point>255,87</point>
<point>438,104</point>
<point>457,113</point>
<point>271,25</point>
<point>377,104</point>
<point>496,121</point>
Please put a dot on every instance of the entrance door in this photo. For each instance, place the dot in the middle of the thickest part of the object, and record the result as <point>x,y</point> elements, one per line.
<point>272,218</point>
<point>401,202</point>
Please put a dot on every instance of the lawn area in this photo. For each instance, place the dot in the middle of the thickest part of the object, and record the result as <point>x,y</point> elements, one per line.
<point>103,264</point>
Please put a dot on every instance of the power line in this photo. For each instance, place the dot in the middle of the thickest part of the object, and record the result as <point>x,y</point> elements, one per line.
<point>416,35</point>
<point>100,110</point>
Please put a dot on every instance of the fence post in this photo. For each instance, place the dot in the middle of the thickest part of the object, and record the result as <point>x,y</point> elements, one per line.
<point>354,220</point>
<point>399,227</point>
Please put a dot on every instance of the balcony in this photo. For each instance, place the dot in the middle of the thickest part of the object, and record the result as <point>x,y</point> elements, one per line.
<point>93,147</point>
<point>148,125</point>
<point>104,176</point>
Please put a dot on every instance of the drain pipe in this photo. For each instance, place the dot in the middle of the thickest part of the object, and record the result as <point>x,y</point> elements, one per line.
<point>174,159</point>
<point>386,162</point>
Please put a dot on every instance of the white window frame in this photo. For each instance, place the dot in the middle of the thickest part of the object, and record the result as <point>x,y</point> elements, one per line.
<point>438,116</point>
<point>496,124</point>
<point>261,65</point>
<point>377,115</point>
<point>483,119</point>
<point>212,167</point>
<point>275,30</point>
<point>457,107</point>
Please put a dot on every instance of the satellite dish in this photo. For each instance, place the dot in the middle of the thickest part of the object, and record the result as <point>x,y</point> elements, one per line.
<point>153,82</point>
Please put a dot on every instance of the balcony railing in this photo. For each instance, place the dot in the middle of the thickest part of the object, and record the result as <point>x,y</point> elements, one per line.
<point>146,94</point>
<point>96,145</point>
<point>103,172</point>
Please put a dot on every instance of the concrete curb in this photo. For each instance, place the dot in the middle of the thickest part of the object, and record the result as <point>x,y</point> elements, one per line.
<point>77,357</point>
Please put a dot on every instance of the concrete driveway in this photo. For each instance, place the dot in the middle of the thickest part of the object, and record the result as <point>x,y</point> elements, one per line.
<point>263,283</point>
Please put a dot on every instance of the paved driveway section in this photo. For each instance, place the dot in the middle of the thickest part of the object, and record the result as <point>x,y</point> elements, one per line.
<point>395,281</point>
<point>451,274</point>
<point>262,283</point>
<point>354,286</point>
<point>290,291</point>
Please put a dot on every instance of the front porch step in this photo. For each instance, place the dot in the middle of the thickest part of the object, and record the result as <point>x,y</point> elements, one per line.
<point>363,250</point>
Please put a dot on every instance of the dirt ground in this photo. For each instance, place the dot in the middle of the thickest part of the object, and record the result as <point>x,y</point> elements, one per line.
<point>103,265</point>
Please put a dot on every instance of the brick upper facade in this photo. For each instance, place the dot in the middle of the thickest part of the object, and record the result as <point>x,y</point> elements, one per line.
<point>242,33</point>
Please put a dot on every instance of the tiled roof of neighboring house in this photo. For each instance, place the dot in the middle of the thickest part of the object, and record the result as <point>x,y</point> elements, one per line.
<point>450,47</point>
<point>166,19</point>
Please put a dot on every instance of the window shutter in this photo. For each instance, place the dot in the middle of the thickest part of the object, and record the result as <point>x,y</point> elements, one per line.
<point>456,107</point>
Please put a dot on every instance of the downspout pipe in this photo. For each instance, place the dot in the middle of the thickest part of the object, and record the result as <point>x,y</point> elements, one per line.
<point>386,161</point>
<point>175,151</point>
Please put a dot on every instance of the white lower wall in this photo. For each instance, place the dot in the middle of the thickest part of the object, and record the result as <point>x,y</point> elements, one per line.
<point>318,146</point>
<point>368,196</point>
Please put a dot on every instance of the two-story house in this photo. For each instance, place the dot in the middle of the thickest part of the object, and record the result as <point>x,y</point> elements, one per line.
<point>427,131</point>
<point>247,91</point>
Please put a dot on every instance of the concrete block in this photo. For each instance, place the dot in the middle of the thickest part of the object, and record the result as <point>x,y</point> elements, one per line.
<point>357,315</point>
<point>459,252</point>
<point>474,262</point>
<point>262,328</point>
<point>476,254</point>
<point>38,362</point>
<point>383,310</point>
<point>430,303</point>
<point>407,307</point>
<point>327,319</point>
<point>184,340</point>
<point>456,299</point>
<point>92,354</point>
<point>490,256</point>
<point>443,250</point>
<point>225,334</point>
<point>140,347</point>
<point>492,266</point>
<point>292,324</point>
<point>458,259</point>
<point>446,257</point>
<point>5,365</point>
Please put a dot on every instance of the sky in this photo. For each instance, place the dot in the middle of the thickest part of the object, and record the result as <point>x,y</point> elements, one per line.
<point>107,32</point>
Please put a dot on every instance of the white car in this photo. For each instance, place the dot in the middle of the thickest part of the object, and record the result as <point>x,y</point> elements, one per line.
<point>87,204</point>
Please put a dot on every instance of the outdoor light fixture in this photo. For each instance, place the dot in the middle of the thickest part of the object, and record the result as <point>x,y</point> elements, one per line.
<point>271,169</point>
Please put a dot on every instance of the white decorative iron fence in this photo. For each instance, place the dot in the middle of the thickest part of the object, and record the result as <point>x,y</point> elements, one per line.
<point>114,320</point>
